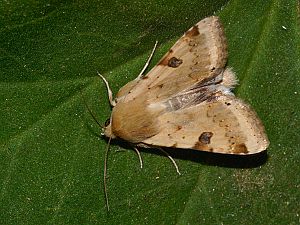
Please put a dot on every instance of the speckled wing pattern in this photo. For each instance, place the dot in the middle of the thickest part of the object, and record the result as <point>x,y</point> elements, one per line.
<point>224,125</point>
<point>187,102</point>
<point>200,54</point>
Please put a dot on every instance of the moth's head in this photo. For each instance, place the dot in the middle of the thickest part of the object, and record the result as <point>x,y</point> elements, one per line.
<point>106,130</point>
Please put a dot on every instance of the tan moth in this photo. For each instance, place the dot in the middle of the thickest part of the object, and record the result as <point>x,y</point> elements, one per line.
<point>186,102</point>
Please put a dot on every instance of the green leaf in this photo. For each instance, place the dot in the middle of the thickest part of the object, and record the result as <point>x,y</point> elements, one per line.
<point>52,154</point>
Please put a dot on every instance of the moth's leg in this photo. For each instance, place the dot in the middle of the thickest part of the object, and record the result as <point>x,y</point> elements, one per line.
<point>109,92</point>
<point>172,160</point>
<point>139,155</point>
<point>147,63</point>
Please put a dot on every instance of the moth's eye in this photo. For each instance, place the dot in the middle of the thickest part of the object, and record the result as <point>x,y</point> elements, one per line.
<point>107,122</point>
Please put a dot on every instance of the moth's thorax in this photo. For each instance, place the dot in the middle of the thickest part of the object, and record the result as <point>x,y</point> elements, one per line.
<point>135,121</point>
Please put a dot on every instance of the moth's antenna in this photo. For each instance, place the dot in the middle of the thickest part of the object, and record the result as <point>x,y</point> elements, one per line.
<point>91,112</point>
<point>93,116</point>
<point>105,173</point>
<point>106,153</point>
<point>148,61</point>
<point>109,92</point>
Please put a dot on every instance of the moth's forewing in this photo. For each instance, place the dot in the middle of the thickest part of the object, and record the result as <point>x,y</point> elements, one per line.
<point>225,125</point>
<point>201,53</point>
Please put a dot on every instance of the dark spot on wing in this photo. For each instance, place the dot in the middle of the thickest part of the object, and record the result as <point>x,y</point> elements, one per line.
<point>164,61</point>
<point>203,147</point>
<point>205,137</point>
<point>179,128</point>
<point>174,62</point>
<point>193,31</point>
<point>240,148</point>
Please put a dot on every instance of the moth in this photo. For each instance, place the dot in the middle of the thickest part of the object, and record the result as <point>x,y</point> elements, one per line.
<point>186,100</point>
